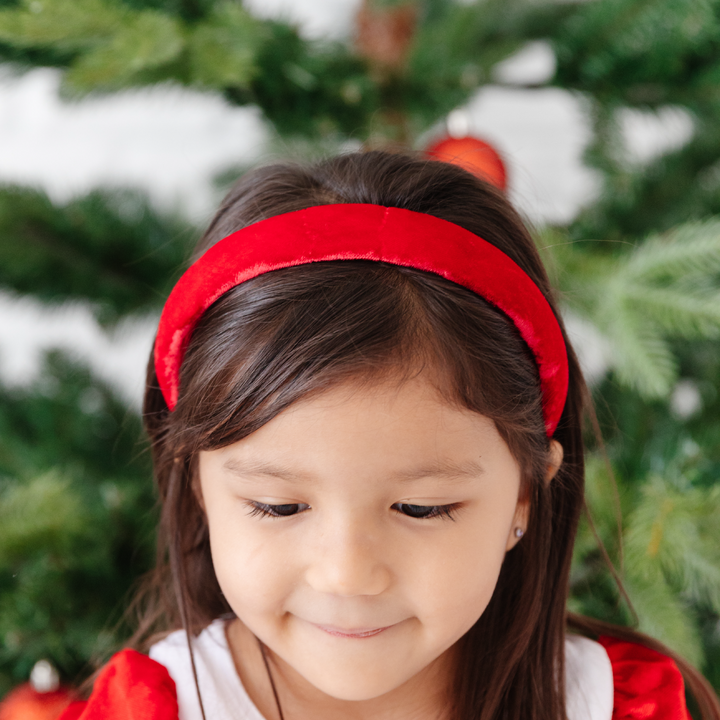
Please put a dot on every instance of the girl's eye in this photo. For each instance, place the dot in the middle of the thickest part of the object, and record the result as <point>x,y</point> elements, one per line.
<point>276,511</point>
<point>425,512</point>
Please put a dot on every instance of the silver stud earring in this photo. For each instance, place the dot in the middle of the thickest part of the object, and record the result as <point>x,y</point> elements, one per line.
<point>519,532</point>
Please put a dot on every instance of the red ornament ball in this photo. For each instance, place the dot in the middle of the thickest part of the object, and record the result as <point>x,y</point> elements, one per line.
<point>478,157</point>
<point>26,703</point>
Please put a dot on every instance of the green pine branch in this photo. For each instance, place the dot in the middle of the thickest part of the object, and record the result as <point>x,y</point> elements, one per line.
<point>688,251</point>
<point>667,287</point>
<point>669,543</point>
<point>114,45</point>
<point>304,88</point>
<point>458,44</point>
<point>679,186</point>
<point>663,615</point>
<point>109,248</point>
<point>645,54</point>
<point>641,52</point>
<point>76,520</point>
<point>670,563</point>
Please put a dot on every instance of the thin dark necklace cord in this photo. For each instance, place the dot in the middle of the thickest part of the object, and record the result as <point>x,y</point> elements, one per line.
<point>270,677</point>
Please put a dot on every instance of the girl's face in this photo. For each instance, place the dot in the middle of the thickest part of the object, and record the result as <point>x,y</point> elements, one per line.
<point>360,533</point>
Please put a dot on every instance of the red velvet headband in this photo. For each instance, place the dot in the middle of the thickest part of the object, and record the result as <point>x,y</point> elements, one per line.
<point>365,232</point>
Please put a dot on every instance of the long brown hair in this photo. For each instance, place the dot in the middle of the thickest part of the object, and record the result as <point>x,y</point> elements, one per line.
<point>288,333</point>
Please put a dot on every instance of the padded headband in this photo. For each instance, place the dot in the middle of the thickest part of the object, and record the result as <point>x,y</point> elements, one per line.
<point>365,232</point>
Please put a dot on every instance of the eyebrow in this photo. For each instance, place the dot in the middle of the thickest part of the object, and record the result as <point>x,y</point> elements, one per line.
<point>446,471</point>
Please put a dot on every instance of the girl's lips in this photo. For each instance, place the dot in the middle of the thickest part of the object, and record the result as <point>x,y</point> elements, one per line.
<point>356,633</point>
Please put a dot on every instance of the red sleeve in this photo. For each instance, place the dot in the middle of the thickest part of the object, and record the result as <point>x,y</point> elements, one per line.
<point>648,685</point>
<point>130,687</point>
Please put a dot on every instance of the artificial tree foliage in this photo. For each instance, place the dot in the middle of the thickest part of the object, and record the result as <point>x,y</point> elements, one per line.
<point>641,294</point>
<point>640,265</point>
<point>76,498</point>
<point>77,515</point>
<point>109,248</point>
<point>306,88</point>
<point>645,55</point>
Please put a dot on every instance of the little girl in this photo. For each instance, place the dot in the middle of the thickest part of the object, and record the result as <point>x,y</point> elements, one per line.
<point>365,420</point>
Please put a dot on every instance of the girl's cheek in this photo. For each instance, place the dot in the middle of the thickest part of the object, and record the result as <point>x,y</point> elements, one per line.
<point>462,572</point>
<point>252,566</point>
<point>464,589</point>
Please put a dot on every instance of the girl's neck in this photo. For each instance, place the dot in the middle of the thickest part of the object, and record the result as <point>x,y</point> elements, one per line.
<point>423,697</point>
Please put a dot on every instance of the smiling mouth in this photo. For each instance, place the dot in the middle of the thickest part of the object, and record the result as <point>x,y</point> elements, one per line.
<point>357,633</point>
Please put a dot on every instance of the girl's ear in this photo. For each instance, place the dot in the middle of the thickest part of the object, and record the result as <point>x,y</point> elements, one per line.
<point>555,458</point>
<point>520,520</point>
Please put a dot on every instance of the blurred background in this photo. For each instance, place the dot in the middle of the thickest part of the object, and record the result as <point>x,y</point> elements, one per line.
<point>122,123</point>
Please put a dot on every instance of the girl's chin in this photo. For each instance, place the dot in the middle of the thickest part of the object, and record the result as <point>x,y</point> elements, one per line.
<point>355,686</point>
<point>362,669</point>
<point>366,680</point>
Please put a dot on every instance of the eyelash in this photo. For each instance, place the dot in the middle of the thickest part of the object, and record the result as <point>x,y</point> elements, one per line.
<point>445,512</point>
<point>273,511</point>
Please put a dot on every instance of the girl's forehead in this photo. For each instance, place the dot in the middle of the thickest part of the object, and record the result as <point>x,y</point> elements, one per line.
<point>405,429</point>
<point>403,381</point>
<point>397,401</point>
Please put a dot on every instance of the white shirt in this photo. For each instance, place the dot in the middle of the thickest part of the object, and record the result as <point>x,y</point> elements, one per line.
<point>588,677</point>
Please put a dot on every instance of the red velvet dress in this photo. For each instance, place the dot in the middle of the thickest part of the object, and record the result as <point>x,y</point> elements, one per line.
<point>647,686</point>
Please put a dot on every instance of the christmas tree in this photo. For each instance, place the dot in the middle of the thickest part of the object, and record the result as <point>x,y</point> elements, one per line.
<point>640,268</point>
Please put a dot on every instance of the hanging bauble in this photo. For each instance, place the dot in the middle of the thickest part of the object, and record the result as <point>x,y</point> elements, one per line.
<point>26,703</point>
<point>476,156</point>
<point>40,699</point>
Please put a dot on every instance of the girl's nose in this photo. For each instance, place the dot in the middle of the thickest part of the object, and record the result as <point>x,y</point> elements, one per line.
<point>348,561</point>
